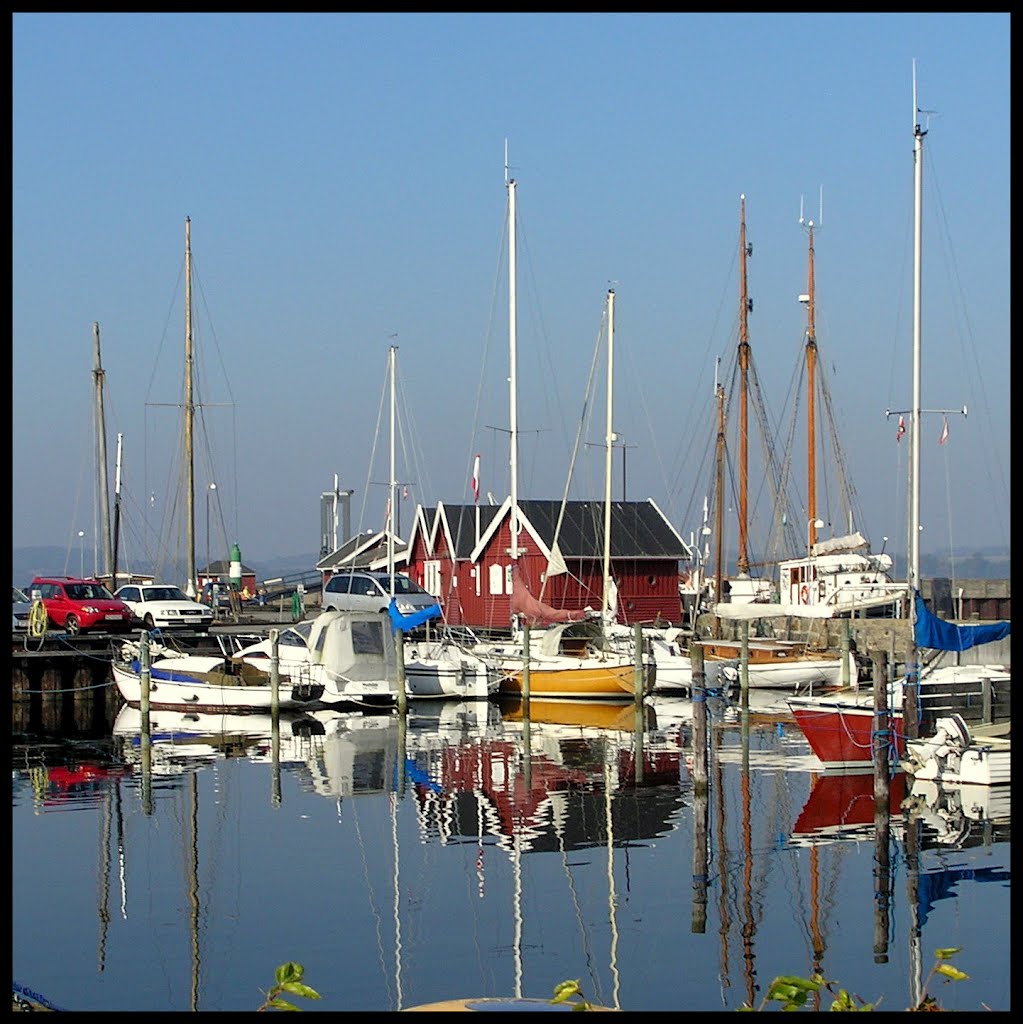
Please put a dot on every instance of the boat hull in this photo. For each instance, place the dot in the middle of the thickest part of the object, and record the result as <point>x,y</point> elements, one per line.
<point>783,667</point>
<point>445,672</point>
<point>841,733</point>
<point>173,691</point>
<point>599,680</point>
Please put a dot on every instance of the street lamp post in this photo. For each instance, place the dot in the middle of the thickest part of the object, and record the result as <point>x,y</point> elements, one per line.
<point>81,554</point>
<point>212,487</point>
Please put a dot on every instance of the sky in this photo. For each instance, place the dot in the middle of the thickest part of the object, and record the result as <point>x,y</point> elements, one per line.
<point>344,179</point>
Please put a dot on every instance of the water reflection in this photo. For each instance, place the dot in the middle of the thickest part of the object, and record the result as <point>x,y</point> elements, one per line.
<point>569,843</point>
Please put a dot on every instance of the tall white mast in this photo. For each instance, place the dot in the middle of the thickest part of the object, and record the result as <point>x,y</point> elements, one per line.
<point>913,574</point>
<point>512,386</point>
<point>189,420</point>
<point>392,486</point>
<point>609,442</point>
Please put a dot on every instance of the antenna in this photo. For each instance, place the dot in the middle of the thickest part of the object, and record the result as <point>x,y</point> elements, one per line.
<point>506,161</point>
<point>820,218</point>
<point>916,122</point>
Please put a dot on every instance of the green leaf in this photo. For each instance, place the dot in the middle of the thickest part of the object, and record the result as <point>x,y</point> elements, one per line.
<point>289,971</point>
<point>280,1004</point>
<point>299,989</point>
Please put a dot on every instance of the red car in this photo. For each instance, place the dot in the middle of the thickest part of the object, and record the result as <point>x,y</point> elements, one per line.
<point>77,605</point>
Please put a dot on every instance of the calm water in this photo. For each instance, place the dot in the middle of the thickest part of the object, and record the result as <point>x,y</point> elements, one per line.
<point>406,863</point>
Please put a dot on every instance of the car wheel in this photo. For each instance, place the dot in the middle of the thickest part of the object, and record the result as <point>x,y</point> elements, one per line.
<point>72,625</point>
<point>148,621</point>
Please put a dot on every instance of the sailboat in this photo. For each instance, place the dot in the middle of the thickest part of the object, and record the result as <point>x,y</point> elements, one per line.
<point>559,667</point>
<point>841,731</point>
<point>770,663</point>
<point>435,666</point>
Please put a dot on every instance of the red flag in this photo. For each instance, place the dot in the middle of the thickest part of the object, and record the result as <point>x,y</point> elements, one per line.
<point>476,479</point>
<point>944,432</point>
<point>902,428</point>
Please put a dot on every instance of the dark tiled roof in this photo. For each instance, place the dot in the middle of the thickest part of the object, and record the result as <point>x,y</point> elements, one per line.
<point>462,523</point>
<point>638,528</point>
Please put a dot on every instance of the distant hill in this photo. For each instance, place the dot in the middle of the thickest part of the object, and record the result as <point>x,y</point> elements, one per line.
<point>983,564</point>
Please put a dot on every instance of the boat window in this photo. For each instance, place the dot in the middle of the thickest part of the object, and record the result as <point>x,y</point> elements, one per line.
<point>289,638</point>
<point>367,637</point>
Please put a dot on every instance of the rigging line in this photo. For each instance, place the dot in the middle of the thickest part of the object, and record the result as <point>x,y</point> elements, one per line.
<point>370,892</point>
<point>578,438</point>
<point>948,517</point>
<point>577,906</point>
<point>961,310</point>
<point>532,296</point>
<point>384,402</point>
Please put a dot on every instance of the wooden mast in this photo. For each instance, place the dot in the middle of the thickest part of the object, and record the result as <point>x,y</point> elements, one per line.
<point>99,375</point>
<point>745,305</point>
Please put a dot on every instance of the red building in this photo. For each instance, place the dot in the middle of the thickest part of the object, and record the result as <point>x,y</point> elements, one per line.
<point>462,553</point>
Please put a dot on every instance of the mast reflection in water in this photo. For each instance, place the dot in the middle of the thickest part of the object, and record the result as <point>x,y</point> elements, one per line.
<point>464,851</point>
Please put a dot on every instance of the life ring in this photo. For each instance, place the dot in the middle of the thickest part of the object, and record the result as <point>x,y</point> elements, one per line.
<point>37,619</point>
<point>804,594</point>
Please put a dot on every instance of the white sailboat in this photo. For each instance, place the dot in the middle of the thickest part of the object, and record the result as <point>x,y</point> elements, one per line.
<point>841,730</point>
<point>435,666</point>
<point>594,669</point>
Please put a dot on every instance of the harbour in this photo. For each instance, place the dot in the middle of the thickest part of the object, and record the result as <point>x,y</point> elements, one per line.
<point>459,852</point>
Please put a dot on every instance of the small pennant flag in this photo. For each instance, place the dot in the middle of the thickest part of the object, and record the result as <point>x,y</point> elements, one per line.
<point>476,479</point>
<point>944,432</point>
<point>404,492</point>
<point>902,428</point>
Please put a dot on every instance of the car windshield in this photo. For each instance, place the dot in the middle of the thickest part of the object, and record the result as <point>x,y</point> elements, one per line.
<point>402,585</point>
<point>86,591</point>
<point>163,594</point>
<point>20,595</point>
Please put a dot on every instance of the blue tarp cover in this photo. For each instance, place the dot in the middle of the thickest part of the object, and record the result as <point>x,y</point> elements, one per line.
<point>939,635</point>
<point>409,622</point>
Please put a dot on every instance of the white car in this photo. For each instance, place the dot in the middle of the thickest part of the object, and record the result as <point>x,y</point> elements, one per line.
<point>164,606</point>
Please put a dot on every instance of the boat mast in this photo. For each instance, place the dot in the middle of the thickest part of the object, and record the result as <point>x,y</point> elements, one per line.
<point>609,441</point>
<point>745,305</point>
<point>913,574</point>
<point>512,393</point>
<point>392,486</point>
<point>98,375</point>
<point>811,394</point>
<point>719,511</point>
<point>117,515</point>
<point>189,420</point>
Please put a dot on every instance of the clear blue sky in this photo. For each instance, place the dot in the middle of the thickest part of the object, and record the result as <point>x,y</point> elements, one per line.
<point>344,176</point>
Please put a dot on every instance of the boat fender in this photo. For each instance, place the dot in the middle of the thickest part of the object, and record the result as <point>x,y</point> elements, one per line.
<point>804,594</point>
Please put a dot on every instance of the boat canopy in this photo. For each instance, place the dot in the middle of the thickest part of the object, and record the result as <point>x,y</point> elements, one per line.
<point>940,635</point>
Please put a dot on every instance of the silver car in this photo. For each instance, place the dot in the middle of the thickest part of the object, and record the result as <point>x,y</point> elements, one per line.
<point>22,610</point>
<point>364,591</point>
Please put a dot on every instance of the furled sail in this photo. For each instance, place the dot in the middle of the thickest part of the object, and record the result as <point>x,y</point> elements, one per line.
<point>840,545</point>
<point>939,635</point>
<point>535,612</point>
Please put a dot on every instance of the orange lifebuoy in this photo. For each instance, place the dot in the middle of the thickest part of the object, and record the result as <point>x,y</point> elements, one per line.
<point>804,594</point>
